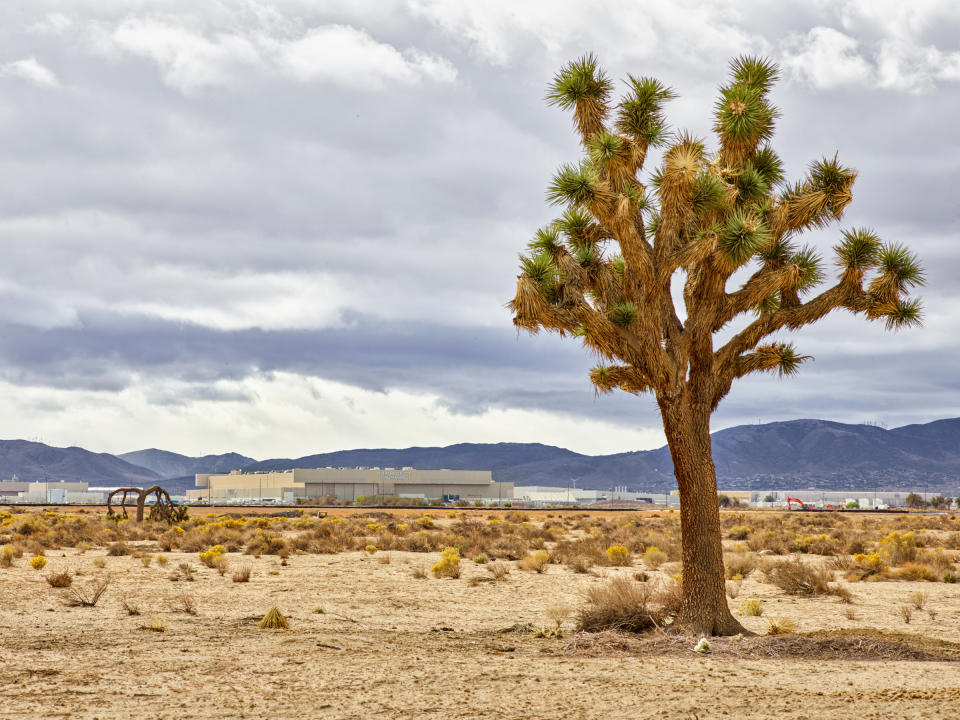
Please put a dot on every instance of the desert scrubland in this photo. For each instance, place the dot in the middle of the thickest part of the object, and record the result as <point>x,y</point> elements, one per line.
<point>468,614</point>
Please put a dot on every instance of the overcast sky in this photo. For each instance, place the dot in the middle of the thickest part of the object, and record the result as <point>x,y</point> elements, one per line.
<point>284,227</point>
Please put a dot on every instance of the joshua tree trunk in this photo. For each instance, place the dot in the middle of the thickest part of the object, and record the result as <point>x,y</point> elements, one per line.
<point>704,610</point>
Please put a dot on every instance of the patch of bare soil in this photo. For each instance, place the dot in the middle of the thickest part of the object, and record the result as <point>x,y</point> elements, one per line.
<point>370,639</point>
<point>863,644</point>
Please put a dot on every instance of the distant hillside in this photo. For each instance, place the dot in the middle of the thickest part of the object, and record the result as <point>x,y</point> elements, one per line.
<point>36,462</point>
<point>798,453</point>
<point>785,455</point>
<point>173,465</point>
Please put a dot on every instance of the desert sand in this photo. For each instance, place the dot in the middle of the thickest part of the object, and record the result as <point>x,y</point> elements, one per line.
<point>367,639</point>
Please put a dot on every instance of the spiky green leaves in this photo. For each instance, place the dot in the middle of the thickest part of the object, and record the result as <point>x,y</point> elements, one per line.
<point>755,72</point>
<point>742,236</point>
<point>830,176</point>
<point>583,87</point>
<point>903,314</point>
<point>752,186</point>
<point>743,116</point>
<point>577,226</point>
<point>769,165</point>
<point>858,250</point>
<point>781,358</point>
<point>896,262</point>
<point>604,148</point>
<point>624,314</point>
<point>546,240</point>
<point>709,193</point>
<point>540,268</point>
<point>809,268</point>
<point>575,185</point>
<point>586,255</point>
<point>640,113</point>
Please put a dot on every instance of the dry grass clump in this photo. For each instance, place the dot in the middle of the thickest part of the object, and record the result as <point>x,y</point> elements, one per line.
<point>537,561</point>
<point>162,560</point>
<point>498,570</point>
<point>419,573</point>
<point>740,564</point>
<point>905,612</point>
<point>131,606</point>
<point>580,563</point>
<point>7,555</point>
<point>796,577</point>
<point>780,626</point>
<point>557,614</point>
<point>90,595</point>
<point>752,607</point>
<point>242,574</point>
<point>60,580</point>
<point>156,624</point>
<point>183,572</point>
<point>733,588</point>
<point>185,603</point>
<point>654,557</point>
<point>622,604</point>
<point>117,549</point>
<point>918,599</point>
<point>274,620</point>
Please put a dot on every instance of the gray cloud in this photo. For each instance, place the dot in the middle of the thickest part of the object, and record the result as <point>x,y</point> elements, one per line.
<point>190,198</point>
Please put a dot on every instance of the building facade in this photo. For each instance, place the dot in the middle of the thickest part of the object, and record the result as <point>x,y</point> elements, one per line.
<point>342,484</point>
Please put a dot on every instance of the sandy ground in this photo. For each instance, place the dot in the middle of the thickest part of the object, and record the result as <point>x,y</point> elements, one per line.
<point>388,645</point>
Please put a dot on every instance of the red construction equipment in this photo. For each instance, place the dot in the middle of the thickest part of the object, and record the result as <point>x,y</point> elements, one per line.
<point>803,505</point>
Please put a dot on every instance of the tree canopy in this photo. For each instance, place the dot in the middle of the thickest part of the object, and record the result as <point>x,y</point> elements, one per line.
<point>602,271</point>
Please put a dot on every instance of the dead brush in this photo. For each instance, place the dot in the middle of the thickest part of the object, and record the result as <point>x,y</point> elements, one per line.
<point>242,574</point>
<point>537,562</point>
<point>131,606</point>
<point>60,580</point>
<point>183,572</point>
<point>184,602</point>
<point>580,564</point>
<point>780,626</point>
<point>90,595</point>
<point>621,604</point>
<point>796,577</point>
<point>274,620</point>
<point>740,563</point>
<point>498,570</point>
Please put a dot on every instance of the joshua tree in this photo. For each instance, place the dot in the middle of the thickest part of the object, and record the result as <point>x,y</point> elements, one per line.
<point>603,272</point>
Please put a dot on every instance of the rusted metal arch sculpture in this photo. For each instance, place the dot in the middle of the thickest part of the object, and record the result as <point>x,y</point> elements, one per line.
<point>163,509</point>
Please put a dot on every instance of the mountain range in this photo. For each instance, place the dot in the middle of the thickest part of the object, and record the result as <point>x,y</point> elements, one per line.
<point>795,454</point>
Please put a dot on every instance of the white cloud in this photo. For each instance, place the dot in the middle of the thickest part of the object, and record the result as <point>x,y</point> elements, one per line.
<point>286,415</point>
<point>826,58</point>
<point>886,45</point>
<point>31,70</point>
<point>345,56</point>
<point>681,31</point>
<point>54,24</point>
<point>188,61</point>
<point>191,60</point>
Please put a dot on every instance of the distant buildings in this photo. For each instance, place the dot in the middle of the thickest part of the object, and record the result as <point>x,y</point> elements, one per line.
<point>348,484</point>
<point>14,491</point>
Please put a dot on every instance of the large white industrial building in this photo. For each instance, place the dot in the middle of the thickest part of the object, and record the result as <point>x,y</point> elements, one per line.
<point>342,484</point>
